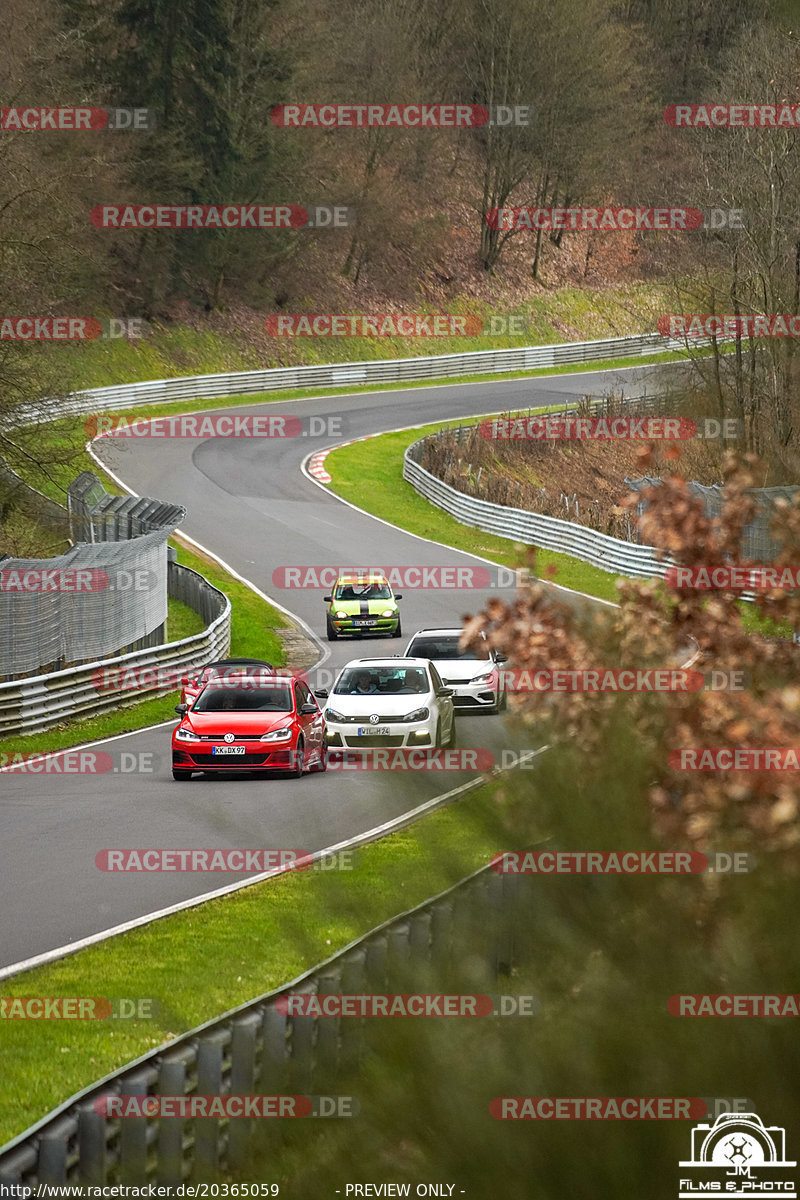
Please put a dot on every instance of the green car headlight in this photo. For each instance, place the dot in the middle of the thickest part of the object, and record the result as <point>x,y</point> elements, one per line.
<point>389,612</point>
<point>341,615</point>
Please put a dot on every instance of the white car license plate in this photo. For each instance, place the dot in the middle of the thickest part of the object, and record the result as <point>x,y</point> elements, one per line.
<point>227,750</point>
<point>366,730</point>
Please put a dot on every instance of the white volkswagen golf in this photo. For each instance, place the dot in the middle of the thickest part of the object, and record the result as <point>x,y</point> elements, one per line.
<point>473,675</point>
<point>388,702</point>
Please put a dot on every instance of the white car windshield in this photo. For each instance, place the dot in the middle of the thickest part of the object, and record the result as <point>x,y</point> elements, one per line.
<point>432,647</point>
<point>382,681</point>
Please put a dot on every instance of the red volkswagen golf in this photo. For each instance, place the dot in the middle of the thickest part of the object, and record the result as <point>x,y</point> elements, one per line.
<point>250,724</point>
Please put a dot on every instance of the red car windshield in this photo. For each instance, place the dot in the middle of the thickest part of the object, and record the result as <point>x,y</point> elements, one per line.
<point>276,698</point>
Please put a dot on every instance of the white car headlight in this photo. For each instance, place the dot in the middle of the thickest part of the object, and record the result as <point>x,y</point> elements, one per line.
<point>419,714</point>
<point>341,615</point>
<point>388,612</point>
<point>482,678</point>
<point>187,735</point>
<point>332,715</point>
<point>276,735</point>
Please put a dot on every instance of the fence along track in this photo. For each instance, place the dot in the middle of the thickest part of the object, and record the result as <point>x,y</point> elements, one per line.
<point>255,1049</point>
<point>395,370</point>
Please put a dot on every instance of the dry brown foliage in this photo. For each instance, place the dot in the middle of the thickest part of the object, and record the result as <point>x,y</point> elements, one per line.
<point>657,626</point>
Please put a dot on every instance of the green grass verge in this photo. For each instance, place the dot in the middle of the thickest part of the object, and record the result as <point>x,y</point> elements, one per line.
<point>182,621</point>
<point>180,349</point>
<point>60,445</point>
<point>207,960</point>
<point>370,475</point>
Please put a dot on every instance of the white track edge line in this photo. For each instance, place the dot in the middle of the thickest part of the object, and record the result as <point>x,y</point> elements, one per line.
<point>378,831</point>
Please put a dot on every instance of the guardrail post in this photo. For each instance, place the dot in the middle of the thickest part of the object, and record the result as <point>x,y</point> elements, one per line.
<point>209,1083</point>
<point>92,1154</point>
<point>52,1165</point>
<point>300,1052</point>
<point>243,1073</point>
<point>419,940</point>
<point>375,962</point>
<point>441,935</point>
<point>17,1164</point>
<point>172,1082</point>
<point>354,978</point>
<point>133,1133</point>
<point>397,954</point>
<point>327,1048</point>
<point>271,1073</point>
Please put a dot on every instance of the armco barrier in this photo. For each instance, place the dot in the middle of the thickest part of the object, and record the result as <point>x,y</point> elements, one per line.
<point>533,529</point>
<point>39,702</point>
<point>257,1050</point>
<point>121,538</point>
<point>395,370</point>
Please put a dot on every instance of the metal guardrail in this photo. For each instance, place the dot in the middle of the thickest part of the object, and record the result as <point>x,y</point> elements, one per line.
<point>257,1050</point>
<point>39,702</point>
<point>395,370</point>
<point>533,529</point>
<point>121,544</point>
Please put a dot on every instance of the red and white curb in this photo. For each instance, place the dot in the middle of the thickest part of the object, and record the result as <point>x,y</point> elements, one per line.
<point>316,466</point>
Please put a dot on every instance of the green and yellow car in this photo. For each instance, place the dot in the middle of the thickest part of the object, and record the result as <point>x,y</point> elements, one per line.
<point>361,604</point>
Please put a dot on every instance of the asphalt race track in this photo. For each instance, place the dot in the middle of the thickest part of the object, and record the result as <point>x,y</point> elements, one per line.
<point>250,504</point>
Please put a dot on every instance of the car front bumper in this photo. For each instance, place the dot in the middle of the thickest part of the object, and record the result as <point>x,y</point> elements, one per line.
<point>473,694</point>
<point>345,736</point>
<point>257,756</point>
<point>349,625</point>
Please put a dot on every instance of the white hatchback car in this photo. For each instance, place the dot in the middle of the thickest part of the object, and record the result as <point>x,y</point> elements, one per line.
<point>388,702</point>
<point>475,679</point>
